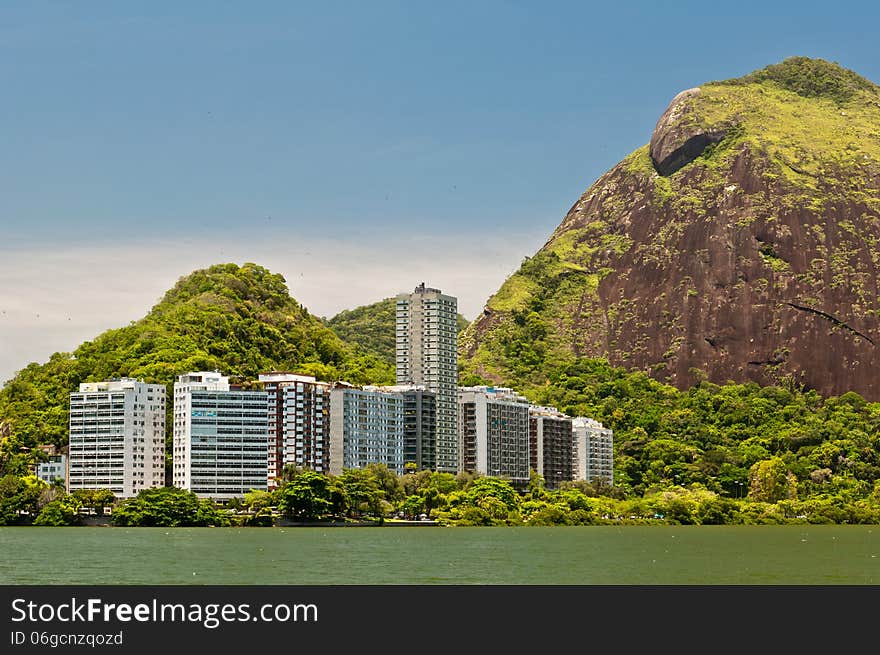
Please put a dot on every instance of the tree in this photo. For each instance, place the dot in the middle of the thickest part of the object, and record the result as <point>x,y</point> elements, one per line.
<point>167,507</point>
<point>412,507</point>
<point>545,513</point>
<point>770,481</point>
<point>486,487</point>
<point>259,503</point>
<point>415,482</point>
<point>339,499</point>
<point>256,500</point>
<point>363,491</point>
<point>290,471</point>
<point>19,496</point>
<point>536,484</point>
<point>101,499</point>
<point>306,497</point>
<point>60,512</point>
<point>677,506</point>
<point>387,481</point>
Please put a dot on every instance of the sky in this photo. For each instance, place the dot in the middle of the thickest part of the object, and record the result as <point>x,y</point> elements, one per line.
<point>356,148</point>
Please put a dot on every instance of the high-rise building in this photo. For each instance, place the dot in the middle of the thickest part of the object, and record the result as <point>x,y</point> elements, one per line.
<point>221,436</point>
<point>366,427</point>
<point>594,450</point>
<point>494,432</point>
<point>299,423</point>
<point>551,445</point>
<point>117,437</point>
<point>427,354</point>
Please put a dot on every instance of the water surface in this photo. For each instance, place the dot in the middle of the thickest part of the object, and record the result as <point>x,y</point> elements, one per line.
<point>591,555</point>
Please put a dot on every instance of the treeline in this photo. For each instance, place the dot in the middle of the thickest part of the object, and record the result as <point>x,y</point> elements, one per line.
<point>376,494</point>
<point>714,435</point>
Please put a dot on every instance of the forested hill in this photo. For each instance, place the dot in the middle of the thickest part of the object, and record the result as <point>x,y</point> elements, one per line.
<point>371,327</point>
<point>240,320</point>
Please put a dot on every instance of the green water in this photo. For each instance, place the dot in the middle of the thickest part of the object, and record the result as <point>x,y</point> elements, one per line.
<point>427,555</point>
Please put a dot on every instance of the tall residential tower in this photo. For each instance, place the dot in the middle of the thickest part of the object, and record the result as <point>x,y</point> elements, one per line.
<point>427,355</point>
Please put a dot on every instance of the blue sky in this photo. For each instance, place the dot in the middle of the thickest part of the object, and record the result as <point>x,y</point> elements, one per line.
<point>142,140</point>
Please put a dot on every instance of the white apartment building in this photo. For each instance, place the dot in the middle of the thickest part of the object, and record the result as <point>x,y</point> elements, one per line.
<point>366,427</point>
<point>494,432</point>
<point>221,436</point>
<point>427,354</point>
<point>117,437</point>
<point>594,450</point>
<point>55,468</point>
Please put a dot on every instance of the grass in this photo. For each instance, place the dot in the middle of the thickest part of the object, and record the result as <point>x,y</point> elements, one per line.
<point>515,293</point>
<point>805,136</point>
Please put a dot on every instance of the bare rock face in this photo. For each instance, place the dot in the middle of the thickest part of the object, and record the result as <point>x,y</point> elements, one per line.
<point>754,260</point>
<point>678,139</point>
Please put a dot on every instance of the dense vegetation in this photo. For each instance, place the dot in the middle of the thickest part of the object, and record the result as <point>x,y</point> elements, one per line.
<point>713,435</point>
<point>770,494</point>
<point>822,453</point>
<point>810,78</point>
<point>371,328</point>
<point>239,320</point>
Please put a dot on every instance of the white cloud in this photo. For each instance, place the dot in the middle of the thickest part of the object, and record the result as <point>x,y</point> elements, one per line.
<point>53,300</point>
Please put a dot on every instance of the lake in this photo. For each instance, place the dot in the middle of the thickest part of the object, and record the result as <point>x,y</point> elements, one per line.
<point>593,555</point>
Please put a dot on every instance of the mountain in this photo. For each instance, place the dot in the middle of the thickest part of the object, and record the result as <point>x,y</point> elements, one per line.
<point>372,328</point>
<point>239,320</point>
<point>740,244</point>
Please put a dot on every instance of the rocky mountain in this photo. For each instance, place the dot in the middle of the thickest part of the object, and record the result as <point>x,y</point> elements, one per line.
<point>240,320</point>
<point>740,243</point>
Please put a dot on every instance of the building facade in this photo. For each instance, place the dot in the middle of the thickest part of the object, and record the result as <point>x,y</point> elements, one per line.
<point>594,451</point>
<point>551,445</point>
<point>117,437</point>
<point>494,432</point>
<point>419,428</point>
<point>299,423</point>
<point>427,355</point>
<point>366,427</point>
<point>221,436</point>
<point>419,425</point>
<point>54,468</point>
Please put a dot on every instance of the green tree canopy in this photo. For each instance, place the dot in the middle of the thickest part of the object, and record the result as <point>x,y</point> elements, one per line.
<point>306,497</point>
<point>167,507</point>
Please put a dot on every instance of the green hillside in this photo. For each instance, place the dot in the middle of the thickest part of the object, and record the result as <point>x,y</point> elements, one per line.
<point>239,320</point>
<point>371,327</point>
